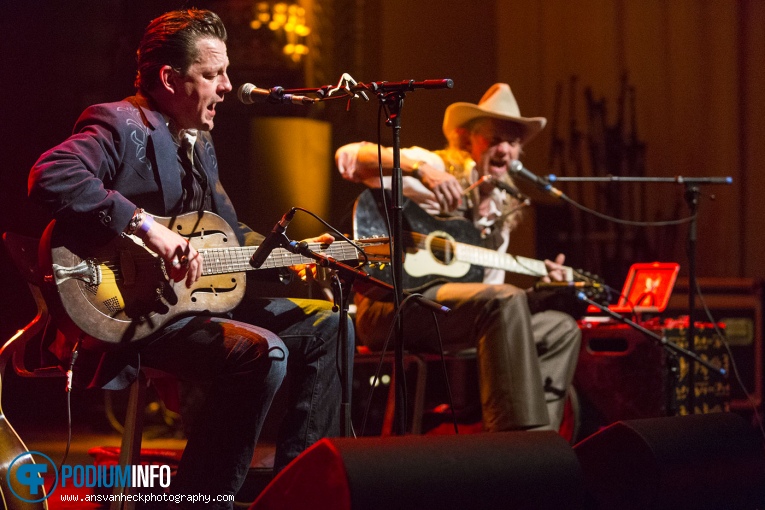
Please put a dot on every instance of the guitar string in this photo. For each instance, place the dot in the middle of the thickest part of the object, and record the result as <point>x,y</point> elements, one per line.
<point>215,265</point>
<point>444,244</point>
<point>247,251</point>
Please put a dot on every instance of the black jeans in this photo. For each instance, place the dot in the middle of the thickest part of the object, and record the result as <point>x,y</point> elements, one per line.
<point>241,367</point>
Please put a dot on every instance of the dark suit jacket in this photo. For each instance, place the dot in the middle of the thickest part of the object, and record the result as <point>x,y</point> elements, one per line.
<point>120,156</point>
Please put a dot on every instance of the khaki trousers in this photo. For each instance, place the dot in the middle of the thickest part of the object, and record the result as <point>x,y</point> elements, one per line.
<point>525,362</point>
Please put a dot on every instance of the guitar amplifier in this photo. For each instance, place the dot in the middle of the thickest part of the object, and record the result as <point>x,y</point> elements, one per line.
<point>624,374</point>
<point>737,302</point>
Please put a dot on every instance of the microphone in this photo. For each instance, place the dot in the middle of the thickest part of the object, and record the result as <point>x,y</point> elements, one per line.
<point>249,94</point>
<point>272,240</point>
<point>517,168</point>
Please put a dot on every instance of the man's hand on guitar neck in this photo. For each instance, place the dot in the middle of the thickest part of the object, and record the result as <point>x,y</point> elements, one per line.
<point>555,269</point>
<point>181,259</point>
<point>308,272</point>
<point>312,275</point>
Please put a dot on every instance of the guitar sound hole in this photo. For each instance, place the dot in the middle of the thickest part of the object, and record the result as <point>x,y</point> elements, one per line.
<point>443,250</point>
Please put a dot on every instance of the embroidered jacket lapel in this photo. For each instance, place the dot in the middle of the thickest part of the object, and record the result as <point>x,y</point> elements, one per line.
<point>165,155</point>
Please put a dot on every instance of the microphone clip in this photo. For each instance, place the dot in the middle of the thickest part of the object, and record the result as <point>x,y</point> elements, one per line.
<point>497,183</point>
<point>276,239</point>
<point>275,95</point>
<point>517,168</point>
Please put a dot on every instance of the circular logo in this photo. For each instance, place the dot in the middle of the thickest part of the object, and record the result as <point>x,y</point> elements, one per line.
<point>24,472</point>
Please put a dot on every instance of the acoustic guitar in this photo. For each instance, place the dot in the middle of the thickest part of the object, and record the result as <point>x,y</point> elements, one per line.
<point>447,248</point>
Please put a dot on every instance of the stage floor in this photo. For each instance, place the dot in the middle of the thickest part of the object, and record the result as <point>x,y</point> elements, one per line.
<point>52,442</point>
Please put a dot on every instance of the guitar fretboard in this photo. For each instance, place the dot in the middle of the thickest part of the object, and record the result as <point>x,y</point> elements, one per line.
<point>492,258</point>
<point>237,259</point>
<point>485,257</point>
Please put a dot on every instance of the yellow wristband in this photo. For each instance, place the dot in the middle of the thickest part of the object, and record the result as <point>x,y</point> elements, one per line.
<point>416,169</point>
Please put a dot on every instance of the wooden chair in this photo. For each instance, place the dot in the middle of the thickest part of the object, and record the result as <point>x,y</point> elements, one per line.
<point>365,356</point>
<point>23,252</point>
<point>416,366</point>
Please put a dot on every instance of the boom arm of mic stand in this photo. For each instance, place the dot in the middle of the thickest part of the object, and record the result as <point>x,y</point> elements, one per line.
<point>402,86</point>
<point>692,192</point>
<point>661,340</point>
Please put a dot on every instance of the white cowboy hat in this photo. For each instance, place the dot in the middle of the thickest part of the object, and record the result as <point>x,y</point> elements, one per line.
<point>497,103</point>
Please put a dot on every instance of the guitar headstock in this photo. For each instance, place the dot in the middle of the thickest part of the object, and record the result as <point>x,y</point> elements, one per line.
<point>596,288</point>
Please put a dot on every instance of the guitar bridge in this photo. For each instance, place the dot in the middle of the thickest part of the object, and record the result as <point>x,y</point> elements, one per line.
<point>87,271</point>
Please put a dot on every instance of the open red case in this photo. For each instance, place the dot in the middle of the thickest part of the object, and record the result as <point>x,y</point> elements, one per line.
<point>647,288</point>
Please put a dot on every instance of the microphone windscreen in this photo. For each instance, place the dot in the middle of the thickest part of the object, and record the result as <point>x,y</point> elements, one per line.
<point>244,93</point>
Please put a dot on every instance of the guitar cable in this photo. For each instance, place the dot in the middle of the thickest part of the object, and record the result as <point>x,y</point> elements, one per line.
<point>400,306</point>
<point>446,375</point>
<point>383,196</point>
<point>69,384</point>
<point>724,338</point>
<point>620,221</point>
<point>376,378</point>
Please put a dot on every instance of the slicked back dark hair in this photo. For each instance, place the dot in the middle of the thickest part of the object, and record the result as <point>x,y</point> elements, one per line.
<point>171,39</point>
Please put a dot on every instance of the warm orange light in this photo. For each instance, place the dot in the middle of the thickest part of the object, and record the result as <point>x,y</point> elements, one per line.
<point>288,18</point>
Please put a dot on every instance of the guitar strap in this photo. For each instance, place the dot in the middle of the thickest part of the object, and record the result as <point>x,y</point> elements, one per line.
<point>493,239</point>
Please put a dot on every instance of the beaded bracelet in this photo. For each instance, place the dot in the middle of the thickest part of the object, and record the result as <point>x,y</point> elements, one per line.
<point>135,221</point>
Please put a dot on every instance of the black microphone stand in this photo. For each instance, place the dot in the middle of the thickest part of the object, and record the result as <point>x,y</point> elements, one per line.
<point>341,296</point>
<point>391,95</point>
<point>692,192</point>
<point>342,280</point>
<point>395,102</point>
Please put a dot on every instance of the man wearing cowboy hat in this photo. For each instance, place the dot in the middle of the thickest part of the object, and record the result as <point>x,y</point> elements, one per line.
<point>526,360</point>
